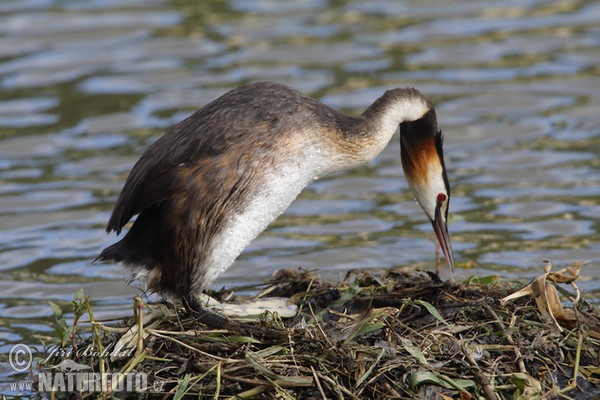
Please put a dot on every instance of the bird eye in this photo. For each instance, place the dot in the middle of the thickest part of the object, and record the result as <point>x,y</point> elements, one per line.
<point>441,197</point>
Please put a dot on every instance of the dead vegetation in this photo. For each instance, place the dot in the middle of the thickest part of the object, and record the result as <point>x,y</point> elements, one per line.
<point>387,334</point>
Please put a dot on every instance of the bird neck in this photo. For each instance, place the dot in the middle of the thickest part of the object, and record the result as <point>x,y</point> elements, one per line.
<point>395,107</point>
<point>373,129</point>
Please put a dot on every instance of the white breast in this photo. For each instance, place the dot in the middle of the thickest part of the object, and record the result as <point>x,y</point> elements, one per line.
<point>280,186</point>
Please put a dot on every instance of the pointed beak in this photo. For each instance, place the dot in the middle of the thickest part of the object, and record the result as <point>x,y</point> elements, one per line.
<point>441,231</point>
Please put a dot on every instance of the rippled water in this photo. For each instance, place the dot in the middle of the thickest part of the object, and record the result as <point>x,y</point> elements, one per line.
<point>87,85</point>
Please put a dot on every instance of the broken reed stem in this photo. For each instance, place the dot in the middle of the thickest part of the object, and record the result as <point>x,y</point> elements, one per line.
<point>218,378</point>
<point>109,329</point>
<point>139,313</point>
<point>188,332</point>
<point>127,369</point>
<point>97,340</point>
<point>248,394</point>
<point>134,362</point>
<point>140,353</point>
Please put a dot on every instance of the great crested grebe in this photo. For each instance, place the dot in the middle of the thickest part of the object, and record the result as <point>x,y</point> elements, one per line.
<point>210,185</point>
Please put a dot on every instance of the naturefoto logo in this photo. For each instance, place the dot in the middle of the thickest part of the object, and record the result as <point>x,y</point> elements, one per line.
<point>92,382</point>
<point>70,376</point>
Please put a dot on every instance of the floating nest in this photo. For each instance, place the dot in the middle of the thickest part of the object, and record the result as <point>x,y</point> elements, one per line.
<point>375,335</point>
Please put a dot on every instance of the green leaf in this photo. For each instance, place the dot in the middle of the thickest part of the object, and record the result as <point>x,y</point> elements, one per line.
<point>365,327</point>
<point>269,351</point>
<point>432,310</point>
<point>420,378</point>
<point>369,327</point>
<point>484,280</point>
<point>182,387</point>
<point>370,370</point>
<point>61,329</point>
<point>256,362</point>
<point>79,305</point>
<point>78,297</point>
<point>242,339</point>
<point>527,386</point>
<point>413,350</point>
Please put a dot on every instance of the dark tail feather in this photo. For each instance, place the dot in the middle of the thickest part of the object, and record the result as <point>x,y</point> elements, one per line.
<point>139,246</point>
<point>111,253</point>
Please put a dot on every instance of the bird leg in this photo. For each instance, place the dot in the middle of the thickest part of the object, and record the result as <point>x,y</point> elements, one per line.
<point>208,317</point>
<point>216,320</point>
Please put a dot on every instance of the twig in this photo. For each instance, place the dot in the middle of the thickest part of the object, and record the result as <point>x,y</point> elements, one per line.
<point>573,383</point>
<point>248,394</point>
<point>335,386</point>
<point>179,342</point>
<point>249,381</point>
<point>325,337</point>
<point>483,381</point>
<point>508,336</point>
<point>318,383</point>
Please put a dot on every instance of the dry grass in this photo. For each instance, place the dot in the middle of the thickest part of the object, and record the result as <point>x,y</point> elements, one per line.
<point>390,334</point>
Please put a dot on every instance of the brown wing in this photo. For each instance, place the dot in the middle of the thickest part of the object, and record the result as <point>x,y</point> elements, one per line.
<point>153,178</point>
<point>252,111</point>
<point>206,134</point>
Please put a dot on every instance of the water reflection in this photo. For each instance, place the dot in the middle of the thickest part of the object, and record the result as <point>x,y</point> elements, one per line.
<point>86,86</point>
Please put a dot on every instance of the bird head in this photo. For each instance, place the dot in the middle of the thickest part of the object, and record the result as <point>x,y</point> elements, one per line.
<point>423,164</point>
